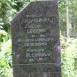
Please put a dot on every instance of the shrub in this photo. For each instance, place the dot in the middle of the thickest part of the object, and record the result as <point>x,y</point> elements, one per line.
<point>69,57</point>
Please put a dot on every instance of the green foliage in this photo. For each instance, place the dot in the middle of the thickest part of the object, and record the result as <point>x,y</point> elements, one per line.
<point>69,57</point>
<point>72,16</point>
<point>3,36</point>
<point>62,16</point>
<point>6,13</point>
<point>5,55</point>
<point>6,59</point>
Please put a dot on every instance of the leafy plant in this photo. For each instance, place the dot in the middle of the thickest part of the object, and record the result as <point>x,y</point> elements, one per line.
<point>69,57</point>
<point>6,59</point>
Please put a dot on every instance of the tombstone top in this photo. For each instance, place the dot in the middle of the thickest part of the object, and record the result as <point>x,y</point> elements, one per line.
<point>18,13</point>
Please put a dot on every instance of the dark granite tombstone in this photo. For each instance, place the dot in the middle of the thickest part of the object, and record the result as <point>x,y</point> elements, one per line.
<point>35,41</point>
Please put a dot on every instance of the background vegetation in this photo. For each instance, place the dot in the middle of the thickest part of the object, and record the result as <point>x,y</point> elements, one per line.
<point>8,8</point>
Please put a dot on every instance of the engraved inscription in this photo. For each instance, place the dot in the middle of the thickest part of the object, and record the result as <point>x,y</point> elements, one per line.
<point>37,40</point>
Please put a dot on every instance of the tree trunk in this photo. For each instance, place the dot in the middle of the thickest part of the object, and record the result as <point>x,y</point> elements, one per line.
<point>67,21</point>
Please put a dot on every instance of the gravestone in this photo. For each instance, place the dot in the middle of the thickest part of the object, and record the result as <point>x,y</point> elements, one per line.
<point>35,41</point>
